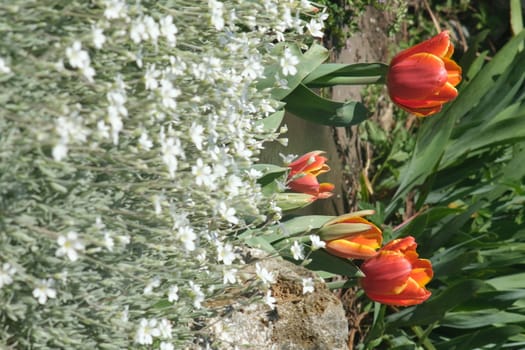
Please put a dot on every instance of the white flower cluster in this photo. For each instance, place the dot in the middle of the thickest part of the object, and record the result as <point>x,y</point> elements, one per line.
<point>129,134</point>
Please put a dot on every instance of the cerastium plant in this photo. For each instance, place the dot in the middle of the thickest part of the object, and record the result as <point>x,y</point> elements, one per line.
<point>127,135</point>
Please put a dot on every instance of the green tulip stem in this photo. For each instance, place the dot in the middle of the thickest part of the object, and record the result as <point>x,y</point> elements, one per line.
<point>423,337</point>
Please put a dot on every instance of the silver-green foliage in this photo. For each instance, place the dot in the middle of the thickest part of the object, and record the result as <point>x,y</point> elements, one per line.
<point>127,131</point>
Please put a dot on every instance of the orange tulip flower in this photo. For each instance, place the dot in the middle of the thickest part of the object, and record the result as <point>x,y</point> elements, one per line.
<point>352,237</point>
<point>423,77</point>
<point>396,276</point>
<point>303,175</point>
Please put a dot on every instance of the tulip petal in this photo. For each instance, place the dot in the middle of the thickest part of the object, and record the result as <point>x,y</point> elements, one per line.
<point>343,248</point>
<point>385,272</point>
<point>412,294</point>
<point>305,183</point>
<point>422,272</point>
<point>438,45</point>
<point>401,244</point>
<point>416,77</point>
<point>453,70</point>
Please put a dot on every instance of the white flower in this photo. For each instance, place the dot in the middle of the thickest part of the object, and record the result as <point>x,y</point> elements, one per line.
<point>317,243</point>
<point>227,213</point>
<point>152,28</point>
<point>77,57</point>
<point>307,6</point>
<point>198,295</point>
<point>288,63</point>
<point>254,174</point>
<point>6,274</point>
<point>165,329</point>
<point>43,291</point>
<point>103,129</point>
<point>146,331</point>
<point>173,294</point>
<point>202,174</point>
<point>150,77</point>
<point>145,142</point>
<point>4,68</point>
<point>315,28</point>
<point>229,276</point>
<point>115,9</point>
<point>308,285</point>
<point>171,148</point>
<point>297,251</point>
<point>187,236</point>
<point>166,346</point>
<point>154,283</point>
<point>269,300</point>
<point>98,37</point>
<point>196,131</point>
<point>233,185</point>
<point>169,30</point>
<point>59,151</point>
<point>216,9</point>
<point>138,33</point>
<point>168,94</point>
<point>266,277</point>
<point>69,246</point>
<point>109,243</point>
<point>225,253</point>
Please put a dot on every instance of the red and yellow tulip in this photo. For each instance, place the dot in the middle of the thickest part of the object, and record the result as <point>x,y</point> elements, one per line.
<point>303,175</point>
<point>351,236</point>
<point>396,275</point>
<point>423,77</point>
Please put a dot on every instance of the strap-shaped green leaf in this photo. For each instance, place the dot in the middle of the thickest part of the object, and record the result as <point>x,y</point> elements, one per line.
<point>330,74</point>
<point>306,104</point>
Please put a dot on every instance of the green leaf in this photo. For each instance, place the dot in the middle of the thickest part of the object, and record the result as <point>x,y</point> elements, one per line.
<point>479,338</point>
<point>322,261</point>
<point>291,201</point>
<point>515,281</point>
<point>272,122</point>
<point>308,62</point>
<point>434,309</point>
<point>482,318</point>
<point>516,16</point>
<point>330,74</point>
<point>306,104</point>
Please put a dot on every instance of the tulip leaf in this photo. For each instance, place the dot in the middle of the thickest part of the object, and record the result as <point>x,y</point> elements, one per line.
<point>306,104</point>
<point>272,122</point>
<point>436,307</point>
<point>289,228</point>
<point>291,201</point>
<point>514,281</point>
<point>516,16</point>
<point>330,74</point>
<point>308,62</point>
<point>322,261</point>
<point>479,338</point>
<point>481,318</point>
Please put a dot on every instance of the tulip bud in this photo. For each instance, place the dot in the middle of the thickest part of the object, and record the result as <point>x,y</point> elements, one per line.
<point>396,276</point>
<point>422,78</point>
<point>303,174</point>
<point>352,237</point>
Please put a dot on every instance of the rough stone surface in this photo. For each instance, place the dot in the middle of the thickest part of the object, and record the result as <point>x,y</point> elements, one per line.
<point>299,322</point>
